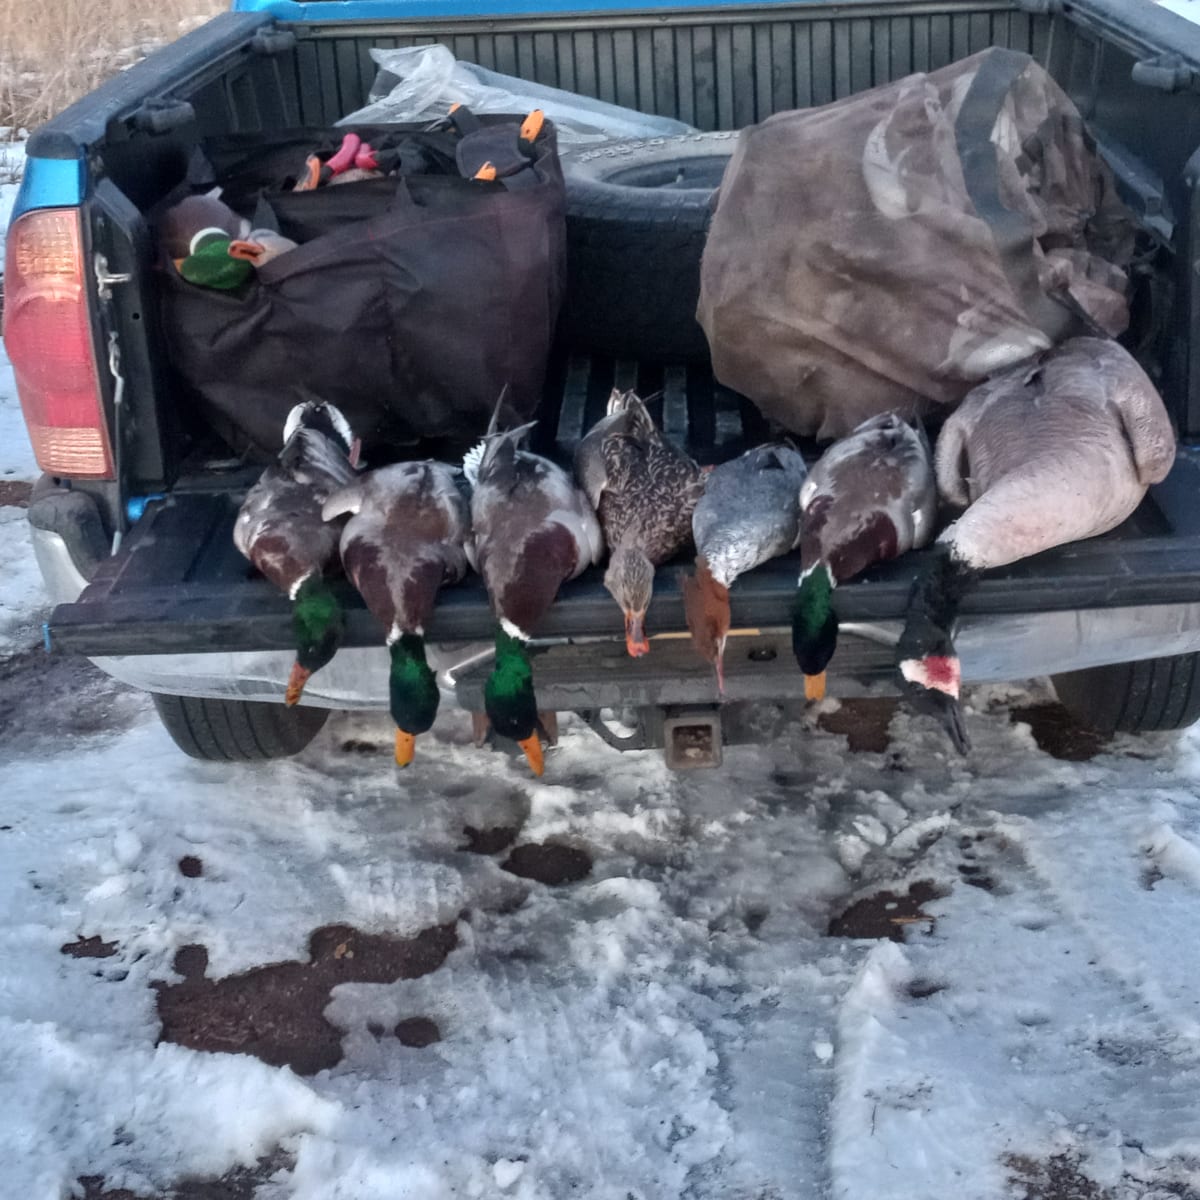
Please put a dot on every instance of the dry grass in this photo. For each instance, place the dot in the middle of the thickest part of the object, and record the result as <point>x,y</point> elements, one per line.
<point>54,51</point>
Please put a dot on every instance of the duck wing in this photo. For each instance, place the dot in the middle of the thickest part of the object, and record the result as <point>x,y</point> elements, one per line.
<point>280,530</point>
<point>870,497</point>
<point>534,529</point>
<point>279,527</point>
<point>749,511</point>
<point>406,537</point>
<point>1140,409</point>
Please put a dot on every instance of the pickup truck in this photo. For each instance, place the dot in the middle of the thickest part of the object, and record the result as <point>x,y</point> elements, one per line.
<point>131,521</point>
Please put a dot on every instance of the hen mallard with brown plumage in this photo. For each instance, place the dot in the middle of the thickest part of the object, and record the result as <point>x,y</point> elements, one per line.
<point>644,490</point>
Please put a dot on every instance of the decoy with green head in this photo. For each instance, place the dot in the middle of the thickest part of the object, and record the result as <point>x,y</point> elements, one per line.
<point>281,531</point>
<point>407,536</point>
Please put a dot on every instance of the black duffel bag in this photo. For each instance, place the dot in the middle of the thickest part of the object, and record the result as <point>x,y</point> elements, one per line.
<point>411,300</point>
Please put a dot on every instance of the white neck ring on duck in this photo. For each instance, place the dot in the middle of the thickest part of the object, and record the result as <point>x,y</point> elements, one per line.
<point>513,631</point>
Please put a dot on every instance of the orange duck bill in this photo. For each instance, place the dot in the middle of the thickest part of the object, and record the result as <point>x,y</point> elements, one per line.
<point>405,748</point>
<point>295,687</point>
<point>532,745</point>
<point>635,635</point>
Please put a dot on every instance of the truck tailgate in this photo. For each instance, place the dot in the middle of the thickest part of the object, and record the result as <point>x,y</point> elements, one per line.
<point>178,585</point>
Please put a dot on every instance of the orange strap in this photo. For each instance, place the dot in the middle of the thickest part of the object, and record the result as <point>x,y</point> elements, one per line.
<point>486,172</point>
<point>532,125</point>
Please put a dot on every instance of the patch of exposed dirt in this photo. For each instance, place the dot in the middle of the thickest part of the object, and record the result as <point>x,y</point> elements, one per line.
<point>1057,733</point>
<point>15,492</point>
<point>191,867</point>
<point>239,1184</point>
<point>276,1012</point>
<point>887,914</point>
<point>549,863</point>
<point>361,746</point>
<point>47,698</point>
<point>418,1032</point>
<point>489,841</point>
<point>91,947</point>
<point>864,722</point>
<point>922,989</point>
<point>1057,1178</point>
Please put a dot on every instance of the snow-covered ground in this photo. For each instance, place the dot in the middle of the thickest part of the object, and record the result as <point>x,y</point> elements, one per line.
<point>676,1023</point>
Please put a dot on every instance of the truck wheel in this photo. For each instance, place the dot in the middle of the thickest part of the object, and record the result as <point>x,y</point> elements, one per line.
<point>637,217</point>
<point>237,730</point>
<point>1152,696</point>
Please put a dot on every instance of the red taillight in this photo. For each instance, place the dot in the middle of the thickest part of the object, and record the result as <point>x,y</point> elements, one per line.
<point>49,339</point>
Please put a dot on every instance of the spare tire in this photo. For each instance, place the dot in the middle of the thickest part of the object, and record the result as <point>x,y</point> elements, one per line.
<point>637,216</point>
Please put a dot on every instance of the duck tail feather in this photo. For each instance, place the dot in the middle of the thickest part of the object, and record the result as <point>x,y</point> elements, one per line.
<point>495,423</point>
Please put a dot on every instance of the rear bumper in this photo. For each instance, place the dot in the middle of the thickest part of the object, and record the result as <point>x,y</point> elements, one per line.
<point>589,673</point>
<point>599,674</point>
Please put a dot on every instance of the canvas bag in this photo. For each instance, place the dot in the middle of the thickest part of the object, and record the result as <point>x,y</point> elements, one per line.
<point>891,250</point>
<point>411,301</point>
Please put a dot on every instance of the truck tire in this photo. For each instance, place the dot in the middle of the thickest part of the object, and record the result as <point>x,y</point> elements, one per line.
<point>1152,696</point>
<point>637,217</point>
<point>237,730</point>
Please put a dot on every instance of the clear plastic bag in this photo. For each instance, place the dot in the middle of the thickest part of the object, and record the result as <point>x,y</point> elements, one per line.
<point>421,82</point>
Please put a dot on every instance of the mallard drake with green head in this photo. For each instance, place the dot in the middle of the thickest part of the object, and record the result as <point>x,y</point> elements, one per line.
<point>407,536</point>
<point>1044,454</point>
<point>644,490</point>
<point>280,529</point>
<point>749,513</point>
<point>534,530</point>
<point>871,496</point>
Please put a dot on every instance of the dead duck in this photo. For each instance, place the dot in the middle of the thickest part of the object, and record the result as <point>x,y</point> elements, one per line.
<point>749,513</point>
<point>281,531</point>
<point>193,216</point>
<point>1044,454</point>
<point>644,490</point>
<point>406,537</point>
<point>871,496</point>
<point>260,246</point>
<point>534,530</point>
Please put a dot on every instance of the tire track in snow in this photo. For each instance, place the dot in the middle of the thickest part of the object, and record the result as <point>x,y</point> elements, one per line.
<point>1029,1046</point>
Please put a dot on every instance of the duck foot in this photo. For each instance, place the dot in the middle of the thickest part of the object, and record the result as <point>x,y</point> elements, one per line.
<point>548,722</point>
<point>480,728</point>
